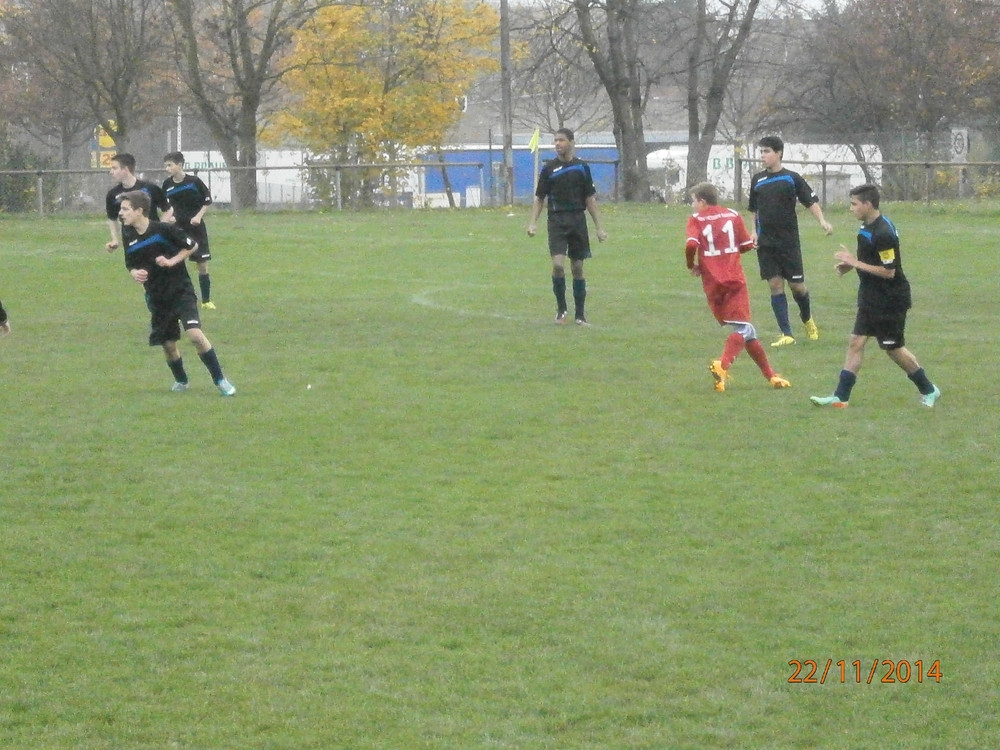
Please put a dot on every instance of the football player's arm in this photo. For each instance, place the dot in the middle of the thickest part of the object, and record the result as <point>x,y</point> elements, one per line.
<point>817,211</point>
<point>744,241</point>
<point>206,197</point>
<point>164,262</point>
<point>691,246</point>
<point>196,219</point>
<point>169,216</point>
<point>158,198</point>
<point>691,243</point>
<point>846,260</point>
<point>536,211</point>
<point>690,253</point>
<point>115,227</point>
<point>139,275</point>
<point>596,216</point>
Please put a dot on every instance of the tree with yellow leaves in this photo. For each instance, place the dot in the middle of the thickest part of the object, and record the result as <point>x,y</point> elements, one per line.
<point>370,82</point>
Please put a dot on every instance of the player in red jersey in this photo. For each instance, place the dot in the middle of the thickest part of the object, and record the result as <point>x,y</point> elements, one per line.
<point>716,238</point>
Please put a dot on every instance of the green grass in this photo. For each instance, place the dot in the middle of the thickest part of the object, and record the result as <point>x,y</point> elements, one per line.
<point>478,529</point>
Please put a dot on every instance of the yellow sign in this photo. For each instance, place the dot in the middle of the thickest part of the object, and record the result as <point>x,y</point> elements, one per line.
<point>104,140</point>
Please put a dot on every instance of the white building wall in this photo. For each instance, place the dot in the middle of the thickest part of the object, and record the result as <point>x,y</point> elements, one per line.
<point>277,182</point>
<point>668,167</point>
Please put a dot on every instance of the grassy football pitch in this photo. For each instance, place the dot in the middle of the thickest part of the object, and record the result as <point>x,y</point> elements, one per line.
<point>430,518</point>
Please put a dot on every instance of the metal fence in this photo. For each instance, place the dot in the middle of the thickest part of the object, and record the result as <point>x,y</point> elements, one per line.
<point>319,186</point>
<point>301,187</point>
<point>924,181</point>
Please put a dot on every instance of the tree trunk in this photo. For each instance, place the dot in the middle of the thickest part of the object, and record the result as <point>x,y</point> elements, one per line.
<point>244,181</point>
<point>720,61</point>
<point>236,140</point>
<point>617,66</point>
<point>697,158</point>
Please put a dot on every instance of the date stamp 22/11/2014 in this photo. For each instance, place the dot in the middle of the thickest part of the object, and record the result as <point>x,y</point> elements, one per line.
<point>883,671</point>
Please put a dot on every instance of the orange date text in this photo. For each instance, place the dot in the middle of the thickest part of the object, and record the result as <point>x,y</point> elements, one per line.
<point>882,671</point>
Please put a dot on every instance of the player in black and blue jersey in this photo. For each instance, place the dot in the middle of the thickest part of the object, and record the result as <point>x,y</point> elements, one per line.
<point>123,170</point>
<point>774,193</point>
<point>883,300</point>
<point>4,321</point>
<point>568,185</point>
<point>155,255</point>
<point>189,199</point>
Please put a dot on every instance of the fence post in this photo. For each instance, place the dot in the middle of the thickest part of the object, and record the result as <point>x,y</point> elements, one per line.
<point>928,171</point>
<point>822,168</point>
<point>39,190</point>
<point>738,180</point>
<point>336,183</point>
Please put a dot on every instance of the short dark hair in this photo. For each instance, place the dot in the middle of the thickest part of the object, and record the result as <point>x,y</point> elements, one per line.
<point>707,192</point>
<point>139,200</point>
<point>866,193</point>
<point>566,132</point>
<point>174,156</point>
<point>125,160</point>
<point>772,142</point>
